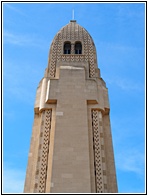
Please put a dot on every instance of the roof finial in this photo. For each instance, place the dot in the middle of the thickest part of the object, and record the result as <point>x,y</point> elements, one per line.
<point>73,14</point>
<point>73,20</point>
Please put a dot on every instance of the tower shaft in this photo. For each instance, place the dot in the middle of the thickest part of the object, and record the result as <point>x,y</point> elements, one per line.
<point>71,147</point>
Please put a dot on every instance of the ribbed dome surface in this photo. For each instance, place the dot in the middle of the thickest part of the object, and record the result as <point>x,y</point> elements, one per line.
<point>74,31</point>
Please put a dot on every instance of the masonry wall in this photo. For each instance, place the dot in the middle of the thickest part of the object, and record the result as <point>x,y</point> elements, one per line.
<point>71,148</point>
<point>70,168</point>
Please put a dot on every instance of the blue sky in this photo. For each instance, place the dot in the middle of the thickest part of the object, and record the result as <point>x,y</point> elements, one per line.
<point>118,32</point>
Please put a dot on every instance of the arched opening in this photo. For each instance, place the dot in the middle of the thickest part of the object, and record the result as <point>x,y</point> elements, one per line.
<point>78,48</point>
<point>67,48</point>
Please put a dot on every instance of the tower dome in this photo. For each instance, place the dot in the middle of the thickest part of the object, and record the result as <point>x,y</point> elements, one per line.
<point>72,44</point>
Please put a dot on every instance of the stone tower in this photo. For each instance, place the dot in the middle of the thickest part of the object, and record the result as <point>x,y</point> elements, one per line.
<point>71,146</point>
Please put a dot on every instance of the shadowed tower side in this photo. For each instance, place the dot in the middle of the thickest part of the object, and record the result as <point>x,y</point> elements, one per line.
<point>71,146</point>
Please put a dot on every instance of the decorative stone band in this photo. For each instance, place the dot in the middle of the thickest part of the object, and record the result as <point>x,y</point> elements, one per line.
<point>98,143</point>
<point>41,170</point>
<point>73,58</point>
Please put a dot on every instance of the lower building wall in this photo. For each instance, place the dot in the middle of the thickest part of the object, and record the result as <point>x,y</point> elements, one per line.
<point>71,147</point>
<point>110,162</point>
<point>32,157</point>
<point>70,166</point>
<point>102,165</point>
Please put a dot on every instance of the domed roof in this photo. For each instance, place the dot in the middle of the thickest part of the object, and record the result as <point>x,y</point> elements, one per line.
<point>72,33</point>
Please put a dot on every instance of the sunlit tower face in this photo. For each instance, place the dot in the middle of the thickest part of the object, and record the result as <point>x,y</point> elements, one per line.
<point>71,148</point>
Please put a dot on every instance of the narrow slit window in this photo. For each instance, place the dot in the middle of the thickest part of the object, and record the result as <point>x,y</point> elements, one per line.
<point>78,48</point>
<point>67,48</point>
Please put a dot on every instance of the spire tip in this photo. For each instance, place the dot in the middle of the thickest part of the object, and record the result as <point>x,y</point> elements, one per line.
<point>73,12</point>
